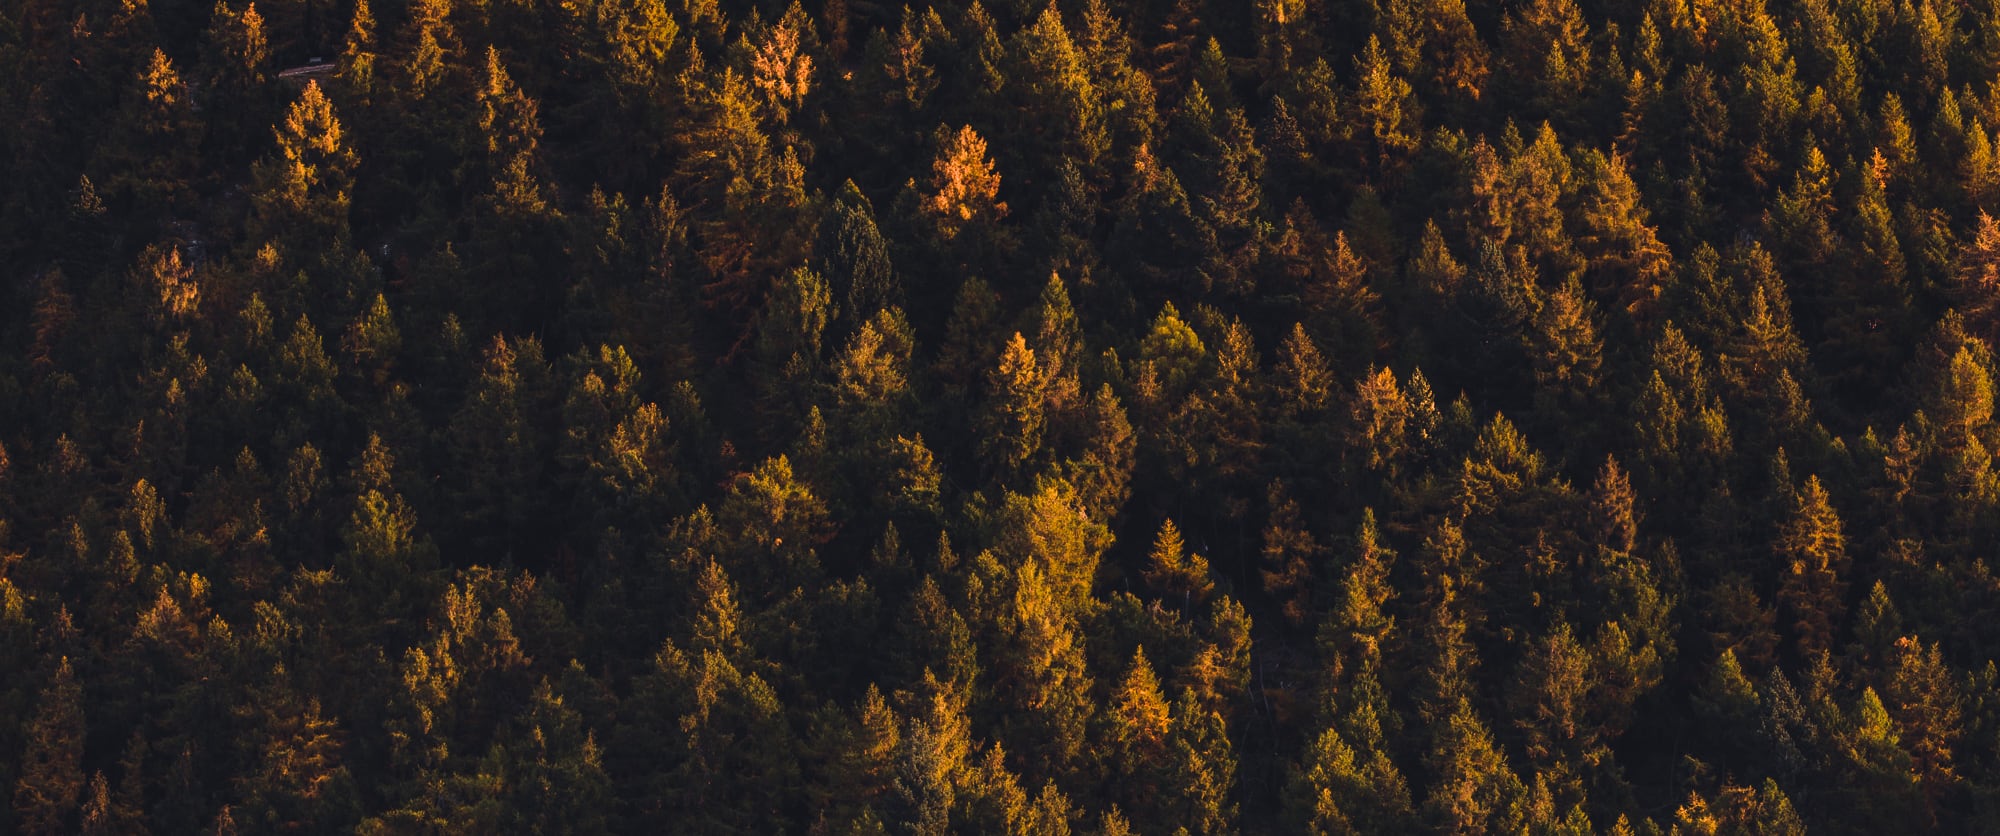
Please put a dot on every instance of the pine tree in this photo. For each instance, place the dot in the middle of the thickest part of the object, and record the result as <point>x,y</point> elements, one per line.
<point>300,777</point>
<point>789,348</point>
<point>1385,108</point>
<point>1102,474</point>
<point>1812,556</point>
<point>1334,790</point>
<point>1059,336</point>
<point>775,522</point>
<point>1360,626</point>
<point>963,190</point>
<point>854,257</point>
<point>872,375</point>
<point>432,43</point>
<point>1976,288</point>
<point>1925,699</point>
<point>155,142</point>
<point>1200,771</point>
<point>1173,571</point>
<point>1435,43</point>
<point>510,121</point>
<point>863,772</point>
<point>1475,790</point>
<point>51,780</point>
<point>1628,266</point>
<point>302,195</point>
<point>497,448</point>
<point>1050,527</point>
<point>237,55</point>
<point>1379,422</point>
<point>1333,282</point>
<point>1158,235</point>
<point>781,67</point>
<point>1544,50</point>
<point>1014,418</point>
<point>382,551</point>
<point>552,768</point>
<point>1041,674</point>
<point>1550,698</point>
<point>1056,100</point>
<point>1568,356</point>
<point>1304,382</point>
<point>712,746</point>
<point>358,53</point>
<point>1289,553</point>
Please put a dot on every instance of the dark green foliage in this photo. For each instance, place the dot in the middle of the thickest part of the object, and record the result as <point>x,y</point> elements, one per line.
<point>999,417</point>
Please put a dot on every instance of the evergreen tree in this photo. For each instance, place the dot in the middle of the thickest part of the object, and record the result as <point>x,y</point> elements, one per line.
<point>1812,557</point>
<point>963,188</point>
<point>50,787</point>
<point>1014,418</point>
<point>1174,572</point>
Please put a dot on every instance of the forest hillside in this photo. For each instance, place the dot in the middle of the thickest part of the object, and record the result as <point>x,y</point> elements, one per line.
<point>1074,417</point>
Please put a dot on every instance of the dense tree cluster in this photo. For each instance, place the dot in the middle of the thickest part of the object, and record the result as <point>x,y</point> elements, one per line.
<point>993,416</point>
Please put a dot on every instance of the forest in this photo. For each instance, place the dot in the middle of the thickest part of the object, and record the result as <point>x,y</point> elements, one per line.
<point>999,416</point>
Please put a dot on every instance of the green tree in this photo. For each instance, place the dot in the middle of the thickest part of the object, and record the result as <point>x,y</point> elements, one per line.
<point>789,347</point>
<point>1173,571</point>
<point>1337,790</point>
<point>1628,266</point>
<point>1056,101</point>
<point>358,53</point>
<point>1812,557</point>
<point>1102,473</point>
<point>1014,418</point>
<point>1360,626</point>
<point>1976,285</point>
<point>497,444</point>
<point>775,523</point>
<point>300,778</point>
<point>1475,791</point>
<point>382,552</point>
<point>1289,553</point>
<point>51,780</point>
<point>1050,527</point>
<point>1040,674</point>
<point>1546,53</point>
<point>1200,769</point>
<point>1925,699</point>
<point>552,767</point>
<point>1568,360</point>
<point>708,743</point>
<point>153,151</point>
<point>854,257</point>
<point>1388,123</point>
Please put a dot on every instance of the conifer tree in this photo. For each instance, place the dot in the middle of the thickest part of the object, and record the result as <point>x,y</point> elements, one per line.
<point>1812,557</point>
<point>496,444</point>
<point>1546,41</point>
<point>963,188</point>
<point>1102,474</point>
<point>1056,97</point>
<point>1175,572</point>
<point>1628,265</point>
<point>1474,791</point>
<point>358,53</point>
<point>1289,553</point>
<point>51,780</point>
<point>1015,418</point>
<point>781,67</point>
<point>1385,111</point>
<point>1361,625</point>
<point>302,196</point>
